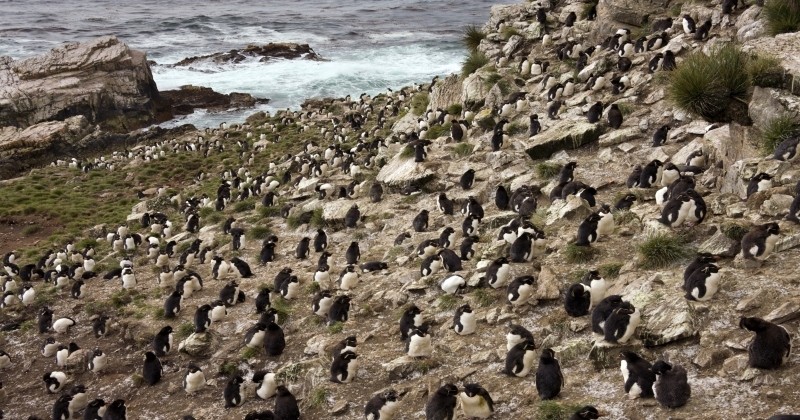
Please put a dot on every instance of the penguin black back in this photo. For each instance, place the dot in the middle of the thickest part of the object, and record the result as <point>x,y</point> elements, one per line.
<point>286,407</point>
<point>770,347</point>
<point>442,405</point>
<point>671,388</point>
<point>549,378</point>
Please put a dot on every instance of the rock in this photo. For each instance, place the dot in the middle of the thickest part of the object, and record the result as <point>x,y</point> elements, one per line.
<point>513,43</point>
<point>734,365</point>
<point>473,88</point>
<point>665,320</point>
<point>573,208</point>
<point>776,205</point>
<point>785,313</point>
<point>405,366</point>
<point>446,92</point>
<point>188,98</point>
<point>620,136</point>
<point>787,242</point>
<point>199,344</point>
<point>764,106</point>
<point>681,155</point>
<point>78,361</point>
<point>573,351</point>
<point>66,82</point>
<point>784,47</point>
<point>400,171</point>
<point>340,408</point>
<point>720,244</point>
<point>750,302</point>
<point>566,134</point>
<point>264,53</point>
<point>707,357</point>
<point>605,356</point>
<point>547,285</point>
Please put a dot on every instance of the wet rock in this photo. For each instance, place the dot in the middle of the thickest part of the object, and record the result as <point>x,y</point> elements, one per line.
<point>264,53</point>
<point>566,134</point>
<point>185,100</point>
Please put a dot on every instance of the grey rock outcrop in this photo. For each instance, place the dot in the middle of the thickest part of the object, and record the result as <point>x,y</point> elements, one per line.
<point>271,51</point>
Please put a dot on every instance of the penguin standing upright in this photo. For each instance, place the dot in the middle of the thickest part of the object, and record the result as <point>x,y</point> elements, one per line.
<point>234,392</point>
<point>412,317</point>
<point>577,300</point>
<point>61,408</point>
<point>671,389</point>
<point>152,369</point>
<point>302,251</point>
<point>621,323</point>
<point>202,318</point>
<point>274,340</point>
<point>587,231</point>
<point>444,204</point>
<point>353,253</point>
<point>794,208</point>
<point>265,384</point>
<point>602,311</point>
<point>420,222</point>
<point>344,367</point>
<point>442,405</point>
<point>339,309</point>
<point>759,242</point>
<point>162,342</point>
<point>382,406</point>
<point>522,249</point>
<point>594,112</point>
<point>519,359</point>
<point>597,284</point>
<point>467,179</point>
<point>651,174</point>
<point>688,24</point>
<point>534,126</point>
<point>117,410</point>
<point>419,342</point>
<point>476,402</point>
<point>614,116</point>
<point>194,380</point>
<point>771,346</point>
<point>660,135</point>
<point>348,344</point>
<point>549,378</point>
<point>464,320</point>
<point>637,375</point>
<point>286,407</point>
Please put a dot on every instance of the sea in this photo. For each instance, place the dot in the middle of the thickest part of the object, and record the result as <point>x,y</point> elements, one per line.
<point>368,45</point>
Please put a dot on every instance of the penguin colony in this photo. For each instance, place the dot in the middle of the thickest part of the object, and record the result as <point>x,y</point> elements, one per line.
<point>204,283</point>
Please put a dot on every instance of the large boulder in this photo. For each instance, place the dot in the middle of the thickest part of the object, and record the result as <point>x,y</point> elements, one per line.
<point>446,92</point>
<point>271,51</point>
<point>186,99</point>
<point>784,47</point>
<point>567,134</point>
<point>102,79</point>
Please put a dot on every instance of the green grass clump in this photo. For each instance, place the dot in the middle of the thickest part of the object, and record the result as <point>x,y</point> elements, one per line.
<point>258,232</point>
<point>454,109</point>
<point>552,410</point>
<point>472,37</point>
<point>509,31</point>
<point>778,130</point>
<point>289,373</point>
<point>575,254</point>
<point>250,352</point>
<point>472,63</point>
<point>713,86</point>
<point>447,302</point>
<point>228,369</point>
<point>493,79</point>
<point>317,397</point>
<point>419,103</point>
<point>610,270</point>
<point>317,220</point>
<point>407,152</point>
<point>547,169</point>
<point>516,128</point>
<point>245,205</point>
<point>184,330</point>
<point>336,327</point>
<point>624,217</point>
<point>487,123</point>
<point>273,211</point>
<point>734,231</point>
<point>281,306</point>
<point>462,150</point>
<point>782,16</point>
<point>437,131</point>
<point>31,230</point>
<point>765,71</point>
<point>661,250</point>
<point>484,297</point>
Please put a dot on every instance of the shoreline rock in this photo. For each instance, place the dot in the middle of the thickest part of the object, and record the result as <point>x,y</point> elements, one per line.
<point>271,51</point>
<point>185,100</point>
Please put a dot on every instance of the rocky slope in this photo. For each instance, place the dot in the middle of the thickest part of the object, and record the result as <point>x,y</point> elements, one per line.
<point>378,134</point>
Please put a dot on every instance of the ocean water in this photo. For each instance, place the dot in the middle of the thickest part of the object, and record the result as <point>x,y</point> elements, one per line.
<point>369,45</point>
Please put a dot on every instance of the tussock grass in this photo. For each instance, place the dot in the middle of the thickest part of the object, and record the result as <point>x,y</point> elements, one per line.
<point>454,109</point>
<point>574,254</point>
<point>407,152</point>
<point>273,211</point>
<point>317,397</point>
<point>484,297</point>
<point>250,352</point>
<point>547,169</point>
<point>610,270</point>
<point>419,103</point>
<point>516,128</point>
<point>782,16</point>
<point>281,306</point>
<point>553,410</point>
<point>661,250</point>
<point>777,130</point>
<point>184,330</point>
<point>472,63</point>
<point>710,85</point>
<point>336,327</point>
<point>258,232</point>
<point>472,37</point>
<point>765,71</point>
<point>243,206</point>
<point>228,369</point>
<point>447,302</point>
<point>462,150</point>
<point>734,231</point>
<point>509,31</point>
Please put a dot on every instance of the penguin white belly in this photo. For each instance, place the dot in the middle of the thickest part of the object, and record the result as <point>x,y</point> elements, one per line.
<point>99,363</point>
<point>769,246</point>
<point>539,247</point>
<point>606,224</point>
<point>322,277</point>
<point>128,281</point>
<point>218,313</point>
<point>512,340</point>
<point>598,290</point>
<point>660,196</point>
<point>510,237</point>
<point>388,410</point>
<point>475,406</point>
<point>527,363</point>
<point>635,391</point>
<point>195,381</point>
<point>764,184</point>
<point>349,281</point>
<point>166,281</point>
<point>324,306</point>
<point>502,276</point>
<point>268,387</point>
<point>467,320</point>
<point>420,346</point>
<point>28,297</point>
<point>635,320</point>
<point>418,320</point>
<point>623,367</point>
<point>62,325</point>
<point>451,284</point>
<point>524,292</point>
<point>669,177</point>
<point>683,212</point>
<point>292,290</point>
<point>352,369</point>
<point>712,286</point>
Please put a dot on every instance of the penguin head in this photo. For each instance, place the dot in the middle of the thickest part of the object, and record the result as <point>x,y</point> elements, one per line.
<point>754,324</point>
<point>282,391</point>
<point>660,367</point>
<point>343,300</point>
<point>472,389</point>
<point>325,294</point>
<point>413,310</point>
<point>773,228</point>
<point>630,356</point>
<point>465,308</point>
<point>286,270</point>
<point>237,380</point>
<point>97,352</point>
<point>448,390</point>
<point>351,341</point>
<point>349,355</point>
<point>547,356</point>
<point>150,356</point>
<point>587,413</point>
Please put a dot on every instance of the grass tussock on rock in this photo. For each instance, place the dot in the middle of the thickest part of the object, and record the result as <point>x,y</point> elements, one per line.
<point>782,16</point>
<point>661,250</point>
<point>778,130</point>
<point>712,86</point>
<point>472,37</point>
<point>472,63</point>
<point>765,71</point>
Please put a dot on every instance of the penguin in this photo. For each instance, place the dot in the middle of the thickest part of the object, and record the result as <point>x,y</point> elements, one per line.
<point>116,411</point>
<point>172,305</point>
<point>267,253</point>
<point>587,231</point>
<point>635,176</point>
<point>701,32</point>
<point>450,260</point>
<point>651,174</point>
<point>202,318</point>
<point>794,208</point>
<point>344,367</point>
<point>411,318</point>
<point>470,225</point>
<point>419,342</point>
<point>498,273</point>
<point>95,410</point>
<point>128,278</point>
<point>444,204</point>
<point>61,408</point>
<point>464,320</point>
<point>339,309</point>
<point>266,384</point>
<point>519,359</point>
<point>759,242</point>
<point>586,413</point>
<point>254,338</point>
<point>594,112</point>
<point>703,283</point>
<point>520,290</point>
<point>548,376</point>
<point>605,226</point>
<point>320,241</point>
<point>652,66</point>
<point>567,173</point>
<point>45,319</point>
<point>193,380</point>
<point>274,340</point>
<point>54,381</point>
<point>76,292</point>
<point>152,369</point>
<point>97,361</point>
<point>597,286</point>
<point>602,311</point>
<point>614,116</point>
<point>786,150</point>
<point>702,260</point>
<point>352,217</point>
<point>467,179</point>
<point>688,24</point>
<point>290,288</point>
<point>637,375</point>
<point>660,135</point>
<point>321,303</point>
<point>621,323</point>
<point>497,135</point>
<point>552,110</point>
<point>521,250</point>
<point>771,346</point>
<point>371,266</point>
<point>302,251</point>
<point>456,131</point>
<point>577,300</point>
<point>286,407</point>
<point>759,182</point>
<point>348,344</point>
<point>62,325</point>
<point>442,404</point>
<point>669,174</point>
<point>624,63</point>
<point>353,253</point>
<point>242,267</point>
<point>375,193</point>
<point>50,347</point>
<point>534,126</point>
<point>517,334</point>
<point>99,326</point>
<point>668,63</point>
<point>696,158</point>
<point>162,342</point>
<point>501,198</point>
<point>676,210</point>
<point>234,392</point>
<point>476,401</point>
<point>382,406</point>
<point>420,222</point>
<point>466,247</point>
<point>61,355</point>
<point>79,399</point>
<point>447,237</point>
<point>671,389</point>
